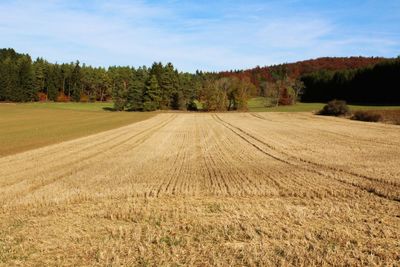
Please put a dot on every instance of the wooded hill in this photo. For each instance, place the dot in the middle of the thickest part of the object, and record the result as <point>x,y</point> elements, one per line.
<point>365,80</point>
<point>378,84</point>
<point>259,75</point>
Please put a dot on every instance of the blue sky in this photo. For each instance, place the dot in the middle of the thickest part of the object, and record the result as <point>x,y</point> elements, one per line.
<point>205,35</point>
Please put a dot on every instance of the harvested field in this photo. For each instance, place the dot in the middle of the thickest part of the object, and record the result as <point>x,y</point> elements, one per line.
<point>207,189</point>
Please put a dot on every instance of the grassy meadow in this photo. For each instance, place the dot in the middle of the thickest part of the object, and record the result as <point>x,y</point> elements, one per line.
<point>257,104</point>
<point>96,106</point>
<point>32,125</point>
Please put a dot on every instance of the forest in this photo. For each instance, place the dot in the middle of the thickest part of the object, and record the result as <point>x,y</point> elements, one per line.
<point>134,89</point>
<point>355,79</point>
<point>378,84</point>
<point>261,75</point>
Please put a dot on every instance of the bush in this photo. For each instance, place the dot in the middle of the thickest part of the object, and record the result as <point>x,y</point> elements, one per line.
<point>335,108</point>
<point>192,106</point>
<point>285,98</point>
<point>92,98</point>
<point>119,104</point>
<point>84,98</point>
<point>149,106</point>
<point>366,116</point>
<point>62,97</point>
<point>42,97</point>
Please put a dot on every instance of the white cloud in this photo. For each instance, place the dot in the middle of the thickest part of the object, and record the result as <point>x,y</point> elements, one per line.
<point>136,33</point>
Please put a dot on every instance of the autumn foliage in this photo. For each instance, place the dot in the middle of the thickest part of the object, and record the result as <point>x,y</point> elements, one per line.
<point>42,97</point>
<point>285,98</point>
<point>61,97</point>
<point>164,87</point>
<point>297,69</point>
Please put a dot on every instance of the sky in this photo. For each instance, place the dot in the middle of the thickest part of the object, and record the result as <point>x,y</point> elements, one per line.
<point>199,35</point>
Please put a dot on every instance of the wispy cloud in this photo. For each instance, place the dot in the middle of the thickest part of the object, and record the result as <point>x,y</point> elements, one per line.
<point>193,35</point>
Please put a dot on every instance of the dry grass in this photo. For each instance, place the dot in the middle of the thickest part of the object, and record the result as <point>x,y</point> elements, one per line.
<point>207,189</point>
<point>386,116</point>
<point>28,126</point>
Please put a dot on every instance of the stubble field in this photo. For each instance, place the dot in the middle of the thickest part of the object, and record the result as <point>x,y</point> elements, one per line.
<point>207,189</point>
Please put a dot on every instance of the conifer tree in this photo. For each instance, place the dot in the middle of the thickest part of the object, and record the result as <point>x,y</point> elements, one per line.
<point>76,82</point>
<point>135,91</point>
<point>152,95</point>
<point>25,87</point>
<point>119,94</point>
<point>39,74</point>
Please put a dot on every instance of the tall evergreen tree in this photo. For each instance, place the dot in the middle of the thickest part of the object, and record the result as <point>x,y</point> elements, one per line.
<point>9,80</point>
<point>168,84</point>
<point>152,94</point>
<point>121,77</point>
<point>25,87</point>
<point>51,83</point>
<point>39,70</point>
<point>76,83</point>
<point>136,90</point>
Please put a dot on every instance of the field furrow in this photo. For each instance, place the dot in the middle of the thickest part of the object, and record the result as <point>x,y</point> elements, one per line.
<point>199,189</point>
<point>386,186</point>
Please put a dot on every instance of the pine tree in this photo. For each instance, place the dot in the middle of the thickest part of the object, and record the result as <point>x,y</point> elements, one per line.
<point>152,95</point>
<point>119,94</point>
<point>25,88</point>
<point>8,74</point>
<point>3,81</point>
<point>168,85</point>
<point>39,74</point>
<point>66,73</point>
<point>51,83</point>
<point>135,91</point>
<point>76,83</point>
<point>177,101</point>
<point>9,80</point>
<point>121,78</point>
<point>156,70</point>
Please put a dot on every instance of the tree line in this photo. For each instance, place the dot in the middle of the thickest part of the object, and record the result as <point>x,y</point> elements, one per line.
<point>22,80</point>
<point>164,87</point>
<point>378,84</point>
<point>136,89</point>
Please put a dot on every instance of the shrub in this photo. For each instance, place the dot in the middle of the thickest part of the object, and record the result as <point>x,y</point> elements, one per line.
<point>192,106</point>
<point>390,116</point>
<point>149,106</point>
<point>42,97</point>
<point>92,98</point>
<point>285,98</point>
<point>84,98</point>
<point>62,97</point>
<point>366,116</point>
<point>119,104</point>
<point>335,108</point>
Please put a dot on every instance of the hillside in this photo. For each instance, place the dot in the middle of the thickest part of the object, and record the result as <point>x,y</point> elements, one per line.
<point>297,69</point>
